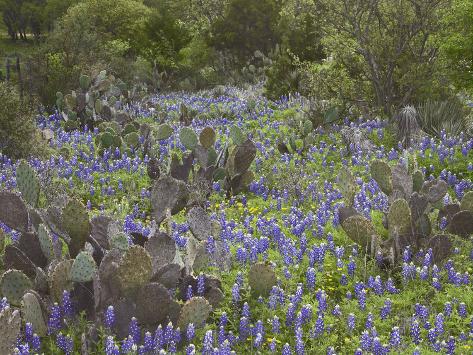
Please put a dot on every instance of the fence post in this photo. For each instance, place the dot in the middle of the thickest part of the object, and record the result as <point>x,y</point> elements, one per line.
<point>8,69</point>
<point>20,79</point>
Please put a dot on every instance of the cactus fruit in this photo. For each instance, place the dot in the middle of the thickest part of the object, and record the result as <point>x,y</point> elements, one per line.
<point>10,327</point>
<point>199,223</point>
<point>381,173</point>
<point>83,268</point>
<point>28,183</point>
<point>152,303</point>
<point>188,138</point>
<point>14,284</point>
<point>195,311</point>
<point>399,218</point>
<point>162,249</point>
<point>45,242</point>
<point>207,137</point>
<point>33,313</point>
<point>168,193</point>
<point>261,278</point>
<point>135,268</point>
<point>13,211</point>
<point>164,131</point>
<point>59,279</point>
<point>467,202</point>
<point>75,221</point>
<point>362,232</point>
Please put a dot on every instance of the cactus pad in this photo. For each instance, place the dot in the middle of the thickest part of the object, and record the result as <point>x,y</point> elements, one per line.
<point>402,180</point>
<point>152,303</point>
<point>13,285</point>
<point>236,135</point>
<point>84,82</point>
<point>14,258</point>
<point>418,204</point>
<point>207,137</point>
<point>164,131</point>
<point>13,211</point>
<point>261,278</point>
<point>417,180</point>
<point>399,217</point>
<point>195,311</point>
<point>162,249</point>
<point>33,313</point>
<point>45,242</point>
<point>132,139</point>
<point>462,224</point>
<point>467,202</point>
<point>10,327</point>
<point>59,279</point>
<point>83,268</point>
<point>199,223</point>
<point>29,244</point>
<point>188,138</point>
<point>135,268</point>
<point>441,246</point>
<point>347,186</point>
<point>75,221</point>
<point>435,190</point>
<point>381,173</point>
<point>99,230</point>
<point>168,193</point>
<point>346,212</point>
<point>119,241</point>
<point>168,275</point>
<point>241,158</point>
<point>362,232</point>
<point>28,183</point>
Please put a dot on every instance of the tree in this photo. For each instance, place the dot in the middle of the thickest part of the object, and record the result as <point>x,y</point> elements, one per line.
<point>247,26</point>
<point>457,43</point>
<point>389,44</point>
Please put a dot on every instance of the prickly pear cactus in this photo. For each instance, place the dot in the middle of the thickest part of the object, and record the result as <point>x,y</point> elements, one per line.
<point>135,268</point>
<point>75,221</point>
<point>162,249</point>
<point>361,231</point>
<point>10,326</point>
<point>28,183</point>
<point>399,218</point>
<point>236,135</point>
<point>195,311</point>
<point>381,173</point>
<point>33,313</point>
<point>45,242</point>
<point>402,180</point>
<point>13,211</point>
<point>261,278</point>
<point>467,202</point>
<point>188,138</point>
<point>152,303</point>
<point>199,223</point>
<point>132,139</point>
<point>83,268</point>
<point>13,285</point>
<point>347,186</point>
<point>84,82</point>
<point>168,193</point>
<point>164,131</point>
<point>462,224</point>
<point>435,190</point>
<point>59,279</point>
<point>417,180</point>
<point>119,241</point>
<point>207,137</point>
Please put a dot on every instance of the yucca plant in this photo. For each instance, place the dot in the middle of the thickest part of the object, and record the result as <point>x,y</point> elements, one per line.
<point>448,115</point>
<point>407,125</point>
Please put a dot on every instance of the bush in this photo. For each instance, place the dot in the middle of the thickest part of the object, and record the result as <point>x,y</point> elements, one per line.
<point>19,137</point>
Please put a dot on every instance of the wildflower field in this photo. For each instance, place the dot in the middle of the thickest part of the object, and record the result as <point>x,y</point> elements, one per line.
<point>221,222</point>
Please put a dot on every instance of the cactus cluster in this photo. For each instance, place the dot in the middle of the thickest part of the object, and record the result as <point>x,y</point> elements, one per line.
<point>101,267</point>
<point>411,199</point>
<point>112,135</point>
<point>100,98</point>
<point>302,136</point>
<point>184,181</point>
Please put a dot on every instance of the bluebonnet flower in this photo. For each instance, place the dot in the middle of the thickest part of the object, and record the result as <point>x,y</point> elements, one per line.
<point>447,309</point>
<point>55,319</point>
<point>65,343</point>
<point>200,284</point>
<point>109,317</point>
<point>286,349</point>
<point>462,312</point>
<point>395,338</point>
<point>415,332</point>
<point>110,347</point>
<point>276,325</point>
<point>351,322</point>
<point>134,330</point>
<point>189,292</point>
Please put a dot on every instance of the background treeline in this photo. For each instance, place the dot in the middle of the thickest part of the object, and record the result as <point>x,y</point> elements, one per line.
<point>362,56</point>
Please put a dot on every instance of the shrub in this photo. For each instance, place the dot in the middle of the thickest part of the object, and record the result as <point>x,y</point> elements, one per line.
<point>19,137</point>
<point>449,115</point>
